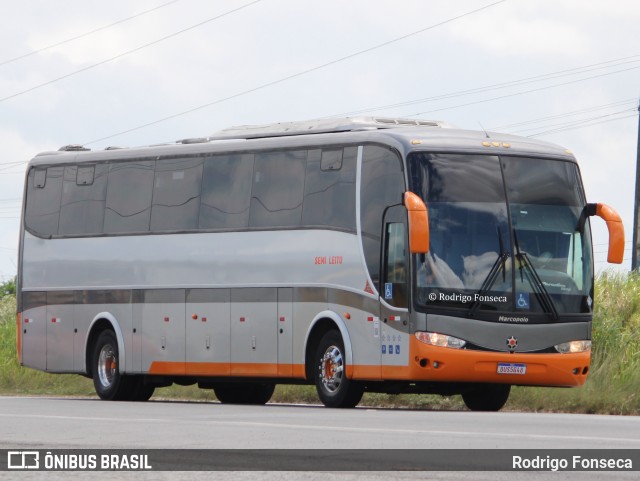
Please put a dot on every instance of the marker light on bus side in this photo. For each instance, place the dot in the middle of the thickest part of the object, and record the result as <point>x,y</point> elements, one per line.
<point>440,340</point>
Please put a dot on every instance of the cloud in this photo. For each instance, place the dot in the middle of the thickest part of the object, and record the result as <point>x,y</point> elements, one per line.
<point>518,29</point>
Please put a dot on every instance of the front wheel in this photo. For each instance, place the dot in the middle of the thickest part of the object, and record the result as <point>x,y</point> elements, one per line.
<point>335,390</point>
<point>487,397</point>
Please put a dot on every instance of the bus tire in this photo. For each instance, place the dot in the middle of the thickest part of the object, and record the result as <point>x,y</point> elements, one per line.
<point>107,380</point>
<point>487,397</point>
<point>236,393</point>
<point>140,391</point>
<point>334,389</point>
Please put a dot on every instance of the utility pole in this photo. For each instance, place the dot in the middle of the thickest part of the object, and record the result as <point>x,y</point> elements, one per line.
<point>636,224</point>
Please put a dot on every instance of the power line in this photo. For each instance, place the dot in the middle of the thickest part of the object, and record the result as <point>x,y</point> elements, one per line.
<point>566,114</point>
<point>82,35</point>
<point>501,85</point>
<point>562,84</point>
<point>553,131</point>
<point>10,165</point>
<point>92,66</point>
<point>299,74</point>
<point>573,122</point>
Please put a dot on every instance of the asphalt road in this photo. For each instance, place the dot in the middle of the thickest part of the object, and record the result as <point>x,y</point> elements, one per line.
<point>48,423</point>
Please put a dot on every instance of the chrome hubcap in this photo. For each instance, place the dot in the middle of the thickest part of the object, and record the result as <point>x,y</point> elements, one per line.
<point>331,369</point>
<point>107,365</point>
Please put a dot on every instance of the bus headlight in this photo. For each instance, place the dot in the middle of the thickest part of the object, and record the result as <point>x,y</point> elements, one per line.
<point>573,346</point>
<point>440,340</point>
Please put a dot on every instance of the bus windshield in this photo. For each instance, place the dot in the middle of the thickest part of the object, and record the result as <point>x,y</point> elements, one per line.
<point>507,235</point>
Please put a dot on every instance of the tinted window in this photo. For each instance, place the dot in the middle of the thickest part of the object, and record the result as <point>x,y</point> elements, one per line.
<point>278,187</point>
<point>329,195</point>
<point>129,191</point>
<point>394,283</point>
<point>226,191</point>
<point>43,200</point>
<point>557,182</point>
<point>176,194</point>
<point>83,199</point>
<point>382,186</point>
<point>457,178</point>
<point>468,231</point>
<point>550,230</point>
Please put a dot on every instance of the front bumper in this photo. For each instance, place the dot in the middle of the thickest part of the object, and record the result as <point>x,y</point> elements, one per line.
<point>430,363</point>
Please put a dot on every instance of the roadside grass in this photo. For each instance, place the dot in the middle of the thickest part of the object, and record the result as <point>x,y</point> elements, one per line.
<point>613,385</point>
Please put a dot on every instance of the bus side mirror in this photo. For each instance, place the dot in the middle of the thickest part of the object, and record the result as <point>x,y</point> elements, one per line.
<point>616,230</point>
<point>418,223</point>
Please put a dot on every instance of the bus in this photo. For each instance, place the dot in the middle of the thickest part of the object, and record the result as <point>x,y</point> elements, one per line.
<point>360,255</point>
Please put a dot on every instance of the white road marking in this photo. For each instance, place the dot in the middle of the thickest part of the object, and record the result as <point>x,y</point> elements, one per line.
<point>313,427</point>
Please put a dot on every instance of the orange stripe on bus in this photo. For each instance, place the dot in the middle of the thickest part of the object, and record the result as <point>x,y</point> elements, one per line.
<point>364,372</point>
<point>395,372</point>
<point>254,369</point>
<point>226,369</point>
<point>165,367</point>
<point>298,371</point>
<point>285,370</point>
<point>452,366</point>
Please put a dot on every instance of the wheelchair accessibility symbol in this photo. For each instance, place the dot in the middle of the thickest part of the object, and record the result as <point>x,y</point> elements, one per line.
<point>522,302</point>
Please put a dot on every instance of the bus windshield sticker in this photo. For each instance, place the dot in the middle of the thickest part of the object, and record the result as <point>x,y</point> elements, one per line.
<point>522,301</point>
<point>388,290</point>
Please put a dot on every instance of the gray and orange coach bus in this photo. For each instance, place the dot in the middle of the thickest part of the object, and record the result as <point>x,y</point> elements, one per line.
<point>362,254</point>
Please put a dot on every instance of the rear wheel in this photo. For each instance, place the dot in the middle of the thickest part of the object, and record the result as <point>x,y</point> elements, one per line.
<point>237,393</point>
<point>487,397</point>
<point>140,390</point>
<point>107,380</point>
<point>335,390</point>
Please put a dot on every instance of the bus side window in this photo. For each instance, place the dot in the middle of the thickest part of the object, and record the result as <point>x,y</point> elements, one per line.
<point>329,189</point>
<point>278,189</point>
<point>395,269</point>
<point>176,194</point>
<point>129,193</point>
<point>43,200</point>
<point>84,192</point>
<point>226,191</point>
<point>382,186</point>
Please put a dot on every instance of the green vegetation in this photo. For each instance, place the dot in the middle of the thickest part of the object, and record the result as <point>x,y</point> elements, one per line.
<point>613,385</point>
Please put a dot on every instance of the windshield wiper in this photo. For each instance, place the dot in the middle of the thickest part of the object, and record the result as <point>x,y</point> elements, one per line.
<point>491,276</point>
<point>534,279</point>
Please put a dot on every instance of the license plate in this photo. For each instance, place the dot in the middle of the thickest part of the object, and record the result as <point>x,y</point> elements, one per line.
<point>508,368</point>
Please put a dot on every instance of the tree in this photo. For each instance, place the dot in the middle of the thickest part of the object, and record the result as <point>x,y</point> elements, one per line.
<point>8,288</point>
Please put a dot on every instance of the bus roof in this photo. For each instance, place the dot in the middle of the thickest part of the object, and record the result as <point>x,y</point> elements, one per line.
<point>405,135</point>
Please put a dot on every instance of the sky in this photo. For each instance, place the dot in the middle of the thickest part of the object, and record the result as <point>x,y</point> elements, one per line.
<point>124,73</point>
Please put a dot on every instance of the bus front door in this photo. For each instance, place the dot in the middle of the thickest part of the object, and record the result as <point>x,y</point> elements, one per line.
<point>394,294</point>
